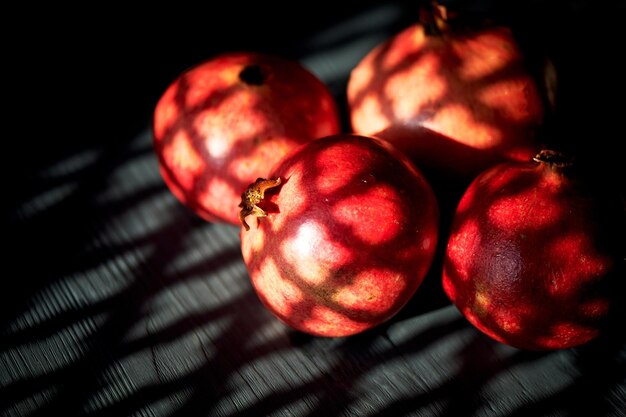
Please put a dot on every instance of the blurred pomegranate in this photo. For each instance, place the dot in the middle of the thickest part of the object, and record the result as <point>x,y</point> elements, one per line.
<point>349,234</point>
<point>225,122</point>
<point>455,99</point>
<point>534,254</point>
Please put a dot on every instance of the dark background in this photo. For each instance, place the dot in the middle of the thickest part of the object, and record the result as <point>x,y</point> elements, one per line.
<point>117,300</point>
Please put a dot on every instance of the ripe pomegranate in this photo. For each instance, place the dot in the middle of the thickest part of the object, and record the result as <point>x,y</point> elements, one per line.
<point>225,122</point>
<point>455,99</point>
<point>534,254</point>
<point>345,232</point>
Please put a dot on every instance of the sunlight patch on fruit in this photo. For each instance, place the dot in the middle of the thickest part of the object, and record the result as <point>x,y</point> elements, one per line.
<point>230,75</point>
<point>217,146</point>
<point>575,262</point>
<point>476,321</point>
<point>216,191</point>
<point>463,242</point>
<point>424,72</point>
<point>194,82</point>
<point>362,77</point>
<point>482,57</point>
<point>566,334</point>
<point>374,290</point>
<point>329,179</point>
<point>370,115</point>
<point>522,213</point>
<point>498,95</point>
<point>509,321</point>
<point>259,157</point>
<point>180,153</point>
<point>482,303</point>
<point>258,240</point>
<point>456,121</point>
<point>224,126</point>
<point>255,240</point>
<point>295,204</point>
<point>448,286</point>
<point>328,322</point>
<point>395,55</point>
<point>372,216</point>
<point>186,163</point>
<point>314,254</point>
<point>166,113</point>
<point>278,291</point>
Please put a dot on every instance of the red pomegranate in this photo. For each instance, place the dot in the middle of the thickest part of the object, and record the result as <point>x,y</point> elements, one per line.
<point>534,254</point>
<point>454,99</point>
<point>345,232</point>
<point>225,122</point>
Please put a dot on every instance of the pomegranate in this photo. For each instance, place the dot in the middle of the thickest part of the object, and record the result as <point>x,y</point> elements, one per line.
<point>225,122</point>
<point>534,253</point>
<point>455,99</point>
<point>345,231</point>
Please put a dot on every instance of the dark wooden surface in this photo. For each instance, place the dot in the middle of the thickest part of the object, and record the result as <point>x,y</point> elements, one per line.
<point>117,300</point>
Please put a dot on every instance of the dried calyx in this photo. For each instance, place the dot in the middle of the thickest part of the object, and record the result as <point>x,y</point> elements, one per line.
<point>434,17</point>
<point>554,159</point>
<point>254,194</point>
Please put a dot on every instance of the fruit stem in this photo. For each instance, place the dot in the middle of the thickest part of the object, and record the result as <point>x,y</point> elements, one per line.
<point>434,17</point>
<point>254,194</point>
<point>555,160</point>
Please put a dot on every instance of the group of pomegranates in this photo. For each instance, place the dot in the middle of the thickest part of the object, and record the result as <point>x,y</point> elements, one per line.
<point>339,230</point>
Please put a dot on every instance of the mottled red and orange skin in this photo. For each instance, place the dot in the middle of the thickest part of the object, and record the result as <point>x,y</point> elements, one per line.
<point>218,128</point>
<point>533,255</point>
<point>457,102</point>
<point>349,236</point>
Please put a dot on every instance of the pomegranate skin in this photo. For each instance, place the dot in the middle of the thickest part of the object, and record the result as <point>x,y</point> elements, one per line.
<point>456,102</point>
<point>349,235</point>
<point>228,120</point>
<point>533,256</point>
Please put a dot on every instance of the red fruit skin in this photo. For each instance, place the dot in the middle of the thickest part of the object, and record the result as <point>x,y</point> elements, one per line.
<point>349,236</point>
<point>456,102</point>
<point>533,255</point>
<point>217,128</point>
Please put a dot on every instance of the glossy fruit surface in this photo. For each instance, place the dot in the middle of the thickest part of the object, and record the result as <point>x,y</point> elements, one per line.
<point>225,122</point>
<point>350,233</point>
<point>454,100</point>
<point>534,254</point>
